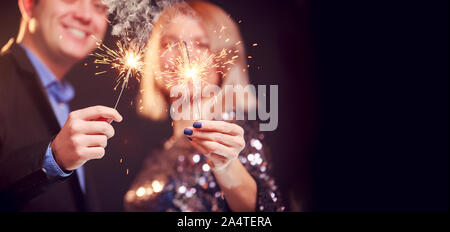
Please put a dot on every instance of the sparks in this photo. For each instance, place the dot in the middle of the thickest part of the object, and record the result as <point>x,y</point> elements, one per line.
<point>126,59</point>
<point>184,69</point>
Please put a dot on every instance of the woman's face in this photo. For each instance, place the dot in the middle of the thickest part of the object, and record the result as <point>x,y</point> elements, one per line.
<point>183,29</point>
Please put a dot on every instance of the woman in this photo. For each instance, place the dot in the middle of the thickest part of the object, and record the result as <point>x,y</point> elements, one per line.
<point>206,165</point>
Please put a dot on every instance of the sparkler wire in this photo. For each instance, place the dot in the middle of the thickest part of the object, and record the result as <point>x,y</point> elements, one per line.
<point>196,84</point>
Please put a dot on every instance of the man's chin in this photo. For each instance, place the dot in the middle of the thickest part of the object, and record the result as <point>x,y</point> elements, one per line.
<point>74,56</point>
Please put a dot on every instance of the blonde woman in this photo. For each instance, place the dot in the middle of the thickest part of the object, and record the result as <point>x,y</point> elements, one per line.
<point>207,165</point>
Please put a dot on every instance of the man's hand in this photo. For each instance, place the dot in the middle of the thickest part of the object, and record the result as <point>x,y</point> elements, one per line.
<point>82,138</point>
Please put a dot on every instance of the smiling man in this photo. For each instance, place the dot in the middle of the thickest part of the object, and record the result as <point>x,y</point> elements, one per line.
<point>43,146</point>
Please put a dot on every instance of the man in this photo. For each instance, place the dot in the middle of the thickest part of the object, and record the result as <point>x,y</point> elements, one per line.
<point>43,145</point>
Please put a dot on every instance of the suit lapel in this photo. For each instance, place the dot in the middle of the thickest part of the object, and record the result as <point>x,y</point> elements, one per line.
<point>35,87</point>
<point>43,105</point>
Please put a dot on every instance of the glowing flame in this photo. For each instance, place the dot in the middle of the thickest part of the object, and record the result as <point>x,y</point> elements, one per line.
<point>191,73</point>
<point>126,59</point>
<point>132,60</point>
<point>185,68</point>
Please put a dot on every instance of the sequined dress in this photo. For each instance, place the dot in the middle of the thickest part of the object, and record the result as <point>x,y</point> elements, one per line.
<point>179,179</point>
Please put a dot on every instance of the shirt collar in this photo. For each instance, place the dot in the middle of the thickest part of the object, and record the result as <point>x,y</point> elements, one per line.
<point>61,91</point>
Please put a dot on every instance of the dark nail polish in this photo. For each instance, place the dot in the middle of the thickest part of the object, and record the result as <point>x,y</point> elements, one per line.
<point>188,131</point>
<point>197,125</point>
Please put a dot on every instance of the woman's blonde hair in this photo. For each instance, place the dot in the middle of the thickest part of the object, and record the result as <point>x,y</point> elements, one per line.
<point>213,19</point>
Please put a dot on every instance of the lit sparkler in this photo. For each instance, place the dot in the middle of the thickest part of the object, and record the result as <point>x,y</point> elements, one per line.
<point>185,69</point>
<point>127,60</point>
<point>193,73</point>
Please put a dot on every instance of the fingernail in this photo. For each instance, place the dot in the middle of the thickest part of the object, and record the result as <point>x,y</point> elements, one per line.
<point>190,139</point>
<point>188,131</point>
<point>197,125</point>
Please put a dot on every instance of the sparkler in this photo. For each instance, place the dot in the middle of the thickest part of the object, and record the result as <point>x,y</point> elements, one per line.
<point>185,69</point>
<point>192,73</point>
<point>127,60</point>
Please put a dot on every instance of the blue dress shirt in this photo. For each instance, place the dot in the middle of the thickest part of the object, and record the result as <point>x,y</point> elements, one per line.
<point>59,94</point>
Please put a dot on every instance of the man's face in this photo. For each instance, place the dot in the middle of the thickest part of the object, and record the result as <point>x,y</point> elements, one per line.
<point>67,27</point>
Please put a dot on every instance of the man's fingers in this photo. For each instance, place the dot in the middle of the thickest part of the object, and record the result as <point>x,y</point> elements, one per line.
<point>98,127</point>
<point>218,126</point>
<point>96,140</point>
<point>97,112</point>
<point>94,152</point>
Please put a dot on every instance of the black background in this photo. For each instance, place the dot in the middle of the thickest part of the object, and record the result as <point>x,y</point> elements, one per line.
<point>363,98</point>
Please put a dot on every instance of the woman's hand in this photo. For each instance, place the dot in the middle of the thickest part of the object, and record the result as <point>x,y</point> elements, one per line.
<point>220,141</point>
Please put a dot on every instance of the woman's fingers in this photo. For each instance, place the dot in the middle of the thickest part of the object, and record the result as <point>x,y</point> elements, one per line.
<point>214,160</point>
<point>199,147</point>
<point>225,139</point>
<point>218,126</point>
<point>220,141</point>
<point>217,157</point>
<point>209,147</point>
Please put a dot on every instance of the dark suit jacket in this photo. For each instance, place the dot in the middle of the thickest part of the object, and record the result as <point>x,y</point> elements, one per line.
<point>27,125</point>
